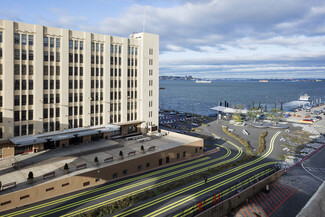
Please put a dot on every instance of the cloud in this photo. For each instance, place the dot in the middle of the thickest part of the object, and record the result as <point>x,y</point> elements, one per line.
<point>203,35</point>
<point>193,24</point>
<point>62,19</point>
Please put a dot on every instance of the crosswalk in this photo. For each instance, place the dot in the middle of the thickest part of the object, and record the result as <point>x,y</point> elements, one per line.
<point>265,204</point>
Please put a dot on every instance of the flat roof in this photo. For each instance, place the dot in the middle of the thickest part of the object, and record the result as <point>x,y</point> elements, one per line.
<point>64,134</point>
<point>229,110</point>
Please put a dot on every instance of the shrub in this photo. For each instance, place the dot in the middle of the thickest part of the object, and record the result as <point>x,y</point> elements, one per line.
<point>66,167</point>
<point>96,159</point>
<point>261,143</point>
<point>30,175</point>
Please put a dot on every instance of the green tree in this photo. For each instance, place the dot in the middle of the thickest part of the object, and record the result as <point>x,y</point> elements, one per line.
<point>253,113</point>
<point>237,115</point>
<point>275,115</point>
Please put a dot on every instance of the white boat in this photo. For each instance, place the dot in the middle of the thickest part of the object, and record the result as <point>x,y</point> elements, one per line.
<point>203,81</point>
<point>304,97</point>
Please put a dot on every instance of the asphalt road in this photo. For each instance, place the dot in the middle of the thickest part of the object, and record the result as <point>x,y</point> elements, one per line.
<point>182,200</point>
<point>305,179</point>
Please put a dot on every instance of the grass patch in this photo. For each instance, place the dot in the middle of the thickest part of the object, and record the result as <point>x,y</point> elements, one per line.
<point>244,142</point>
<point>297,139</point>
<point>261,143</point>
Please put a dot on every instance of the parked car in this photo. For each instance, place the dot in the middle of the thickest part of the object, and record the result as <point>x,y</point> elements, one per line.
<point>318,117</point>
<point>316,112</point>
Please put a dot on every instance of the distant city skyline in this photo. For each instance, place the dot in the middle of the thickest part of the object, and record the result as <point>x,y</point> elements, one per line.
<point>203,38</point>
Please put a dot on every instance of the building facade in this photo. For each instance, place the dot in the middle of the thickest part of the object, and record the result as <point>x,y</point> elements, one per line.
<point>54,79</point>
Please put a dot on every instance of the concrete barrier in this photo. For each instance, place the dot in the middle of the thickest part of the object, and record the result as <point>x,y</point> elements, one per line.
<point>226,206</point>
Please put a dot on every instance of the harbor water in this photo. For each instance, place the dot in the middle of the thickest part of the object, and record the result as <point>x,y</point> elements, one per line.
<point>188,96</point>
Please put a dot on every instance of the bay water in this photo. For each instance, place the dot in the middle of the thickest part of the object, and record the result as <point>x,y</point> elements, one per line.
<point>198,98</point>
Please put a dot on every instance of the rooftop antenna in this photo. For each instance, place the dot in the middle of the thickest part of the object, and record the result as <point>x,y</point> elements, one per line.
<point>144,19</point>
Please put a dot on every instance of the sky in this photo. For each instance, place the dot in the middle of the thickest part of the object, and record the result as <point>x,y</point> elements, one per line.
<point>203,38</point>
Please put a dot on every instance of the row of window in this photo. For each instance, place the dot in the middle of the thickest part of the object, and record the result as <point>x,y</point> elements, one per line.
<point>97,71</point>
<point>74,110</point>
<point>114,83</point>
<point>93,45</point>
<point>160,162</point>
<point>115,60</point>
<point>130,72</point>
<point>23,84</point>
<point>81,58</point>
<point>50,112</point>
<point>46,126</point>
<point>23,100</point>
<point>46,70</point>
<point>130,105</point>
<point>97,96</point>
<point>115,95</point>
<point>75,123</point>
<point>0,37</point>
<point>46,42</point>
<point>23,129</point>
<point>131,62</point>
<point>46,98</point>
<point>131,95</point>
<point>115,70</point>
<point>23,37</point>
<point>22,115</point>
<point>46,85</point>
<point>23,69</point>
<point>23,55</point>
<point>97,82</point>
<point>115,107</point>
<point>131,82</point>
<point>75,86</point>
<point>132,50</point>
<point>97,59</point>
<point>96,121</point>
<point>75,97</point>
<point>116,49</point>
<point>115,118</point>
<point>96,109</point>
<point>46,56</point>
<point>81,71</point>
<point>131,116</point>
<point>81,45</point>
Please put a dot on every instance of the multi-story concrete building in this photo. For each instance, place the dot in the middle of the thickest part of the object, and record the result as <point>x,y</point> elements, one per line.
<point>59,86</point>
